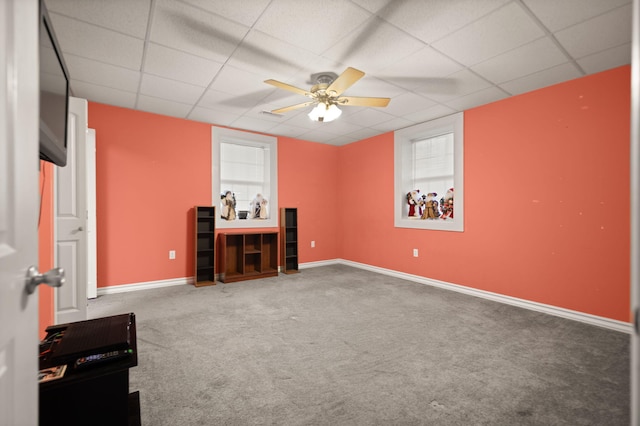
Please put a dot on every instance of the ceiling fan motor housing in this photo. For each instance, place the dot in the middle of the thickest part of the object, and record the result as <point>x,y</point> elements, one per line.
<point>326,77</point>
<point>322,81</point>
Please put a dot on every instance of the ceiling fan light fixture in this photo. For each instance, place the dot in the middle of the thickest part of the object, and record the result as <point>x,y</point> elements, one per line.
<point>325,113</point>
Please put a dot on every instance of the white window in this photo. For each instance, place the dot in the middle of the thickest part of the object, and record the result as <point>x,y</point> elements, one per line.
<point>244,179</point>
<point>429,192</point>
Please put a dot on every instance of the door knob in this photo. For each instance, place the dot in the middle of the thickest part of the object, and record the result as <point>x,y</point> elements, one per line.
<point>53,278</point>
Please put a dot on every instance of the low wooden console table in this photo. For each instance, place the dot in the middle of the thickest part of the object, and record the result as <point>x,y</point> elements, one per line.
<point>246,256</point>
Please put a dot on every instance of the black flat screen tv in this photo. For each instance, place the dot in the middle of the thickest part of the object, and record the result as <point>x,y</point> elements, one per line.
<point>54,94</point>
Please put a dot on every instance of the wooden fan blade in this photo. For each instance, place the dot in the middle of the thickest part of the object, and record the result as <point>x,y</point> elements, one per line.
<point>344,81</point>
<point>289,108</point>
<point>358,101</point>
<point>288,87</point>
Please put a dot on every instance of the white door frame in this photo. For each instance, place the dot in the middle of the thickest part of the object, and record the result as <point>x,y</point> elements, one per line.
<point>92,229</point>
<point>635,214</point>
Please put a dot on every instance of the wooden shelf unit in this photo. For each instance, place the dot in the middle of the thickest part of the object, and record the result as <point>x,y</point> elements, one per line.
<point>205,253</point>
<point>246,256</point>
<point>289,240</point>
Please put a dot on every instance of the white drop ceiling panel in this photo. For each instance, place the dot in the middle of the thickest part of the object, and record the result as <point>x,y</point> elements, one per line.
<point>163,106</point>
<point>340,127</point>
<point>543,78</point>
<point>221,101</point>
<point>239,82</point>
<point>255,124</point>
<point>536,56</point>
<point>265,55</point>
<point>300,119</point>
<point>340,140</point>
<point>107,14</point>
<point>595,35</point>
<point>371,86</point>
<point>300,22</point>
<point>505,29</point>
<point>104,95</point>
<point>207,59</point>
<point>288,130</point>
<point>606,59</point>
<point>93,42</point>
<point>320,133</point>
<point>374,53</point>
<point>454,86</point>
<point>373,6</point>
<point>170,90</point>
<point>262,114</point>
<point>179,65</point>
<point>246,13</point>
<point>429,114</point>
<point>557,15</point>
<point>430,21</point>
<point>368,117</point>
<point>407,103</point>
<point>197,32</point>
<point>481,97</point>
<point>91,71</point>
<point>206,115</point>
<point>393,124</point>
<point>363,133</point>
<point>414,70</point>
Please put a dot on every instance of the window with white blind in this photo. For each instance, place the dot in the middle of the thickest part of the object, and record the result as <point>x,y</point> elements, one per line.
<point>244,179</point>
<point>428,173</point>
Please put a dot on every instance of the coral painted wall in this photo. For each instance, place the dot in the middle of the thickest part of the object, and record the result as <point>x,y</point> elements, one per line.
<point>151,170</point>
<point>307,180</point>
<point>546,200</point>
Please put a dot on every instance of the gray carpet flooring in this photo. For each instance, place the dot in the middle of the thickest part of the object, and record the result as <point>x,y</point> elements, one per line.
<point>336,345</point>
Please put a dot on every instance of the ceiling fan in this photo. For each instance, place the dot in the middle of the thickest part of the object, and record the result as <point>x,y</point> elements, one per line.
<point>326,95</point>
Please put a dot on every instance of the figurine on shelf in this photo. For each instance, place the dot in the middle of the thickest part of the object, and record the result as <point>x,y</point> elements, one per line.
<point>228,205</point>
<point>258,208</point>
<point>263,208</point>
<point>431,210</point>
<point>413,199</point>
<point>447,205</point>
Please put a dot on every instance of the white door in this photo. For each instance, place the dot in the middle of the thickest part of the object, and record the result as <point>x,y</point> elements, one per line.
<point>92,229</point>
<point>18,210</point>
<point>71,219</point>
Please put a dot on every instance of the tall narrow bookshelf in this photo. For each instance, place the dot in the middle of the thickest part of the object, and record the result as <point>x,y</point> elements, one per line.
<point>205,253</point>
<point>289,240</point>
<point>246,256</point>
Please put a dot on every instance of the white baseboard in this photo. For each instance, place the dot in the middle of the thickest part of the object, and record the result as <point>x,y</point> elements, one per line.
<point>124,288</point>
<point>611,324</point>
<point>319,263</point>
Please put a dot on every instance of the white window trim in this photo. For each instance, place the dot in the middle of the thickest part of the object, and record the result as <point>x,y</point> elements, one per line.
<point>219,135</point>
<point>402,154</point>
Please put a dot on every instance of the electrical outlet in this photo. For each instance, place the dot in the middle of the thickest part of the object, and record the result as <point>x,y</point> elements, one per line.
<point>172,254</point>
<point>313,244</point>
<point>415,252</point>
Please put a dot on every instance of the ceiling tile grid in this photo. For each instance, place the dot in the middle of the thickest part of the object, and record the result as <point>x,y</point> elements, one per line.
<point>207,60</point>
<point>544,78</point>
<point>178,65</point>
